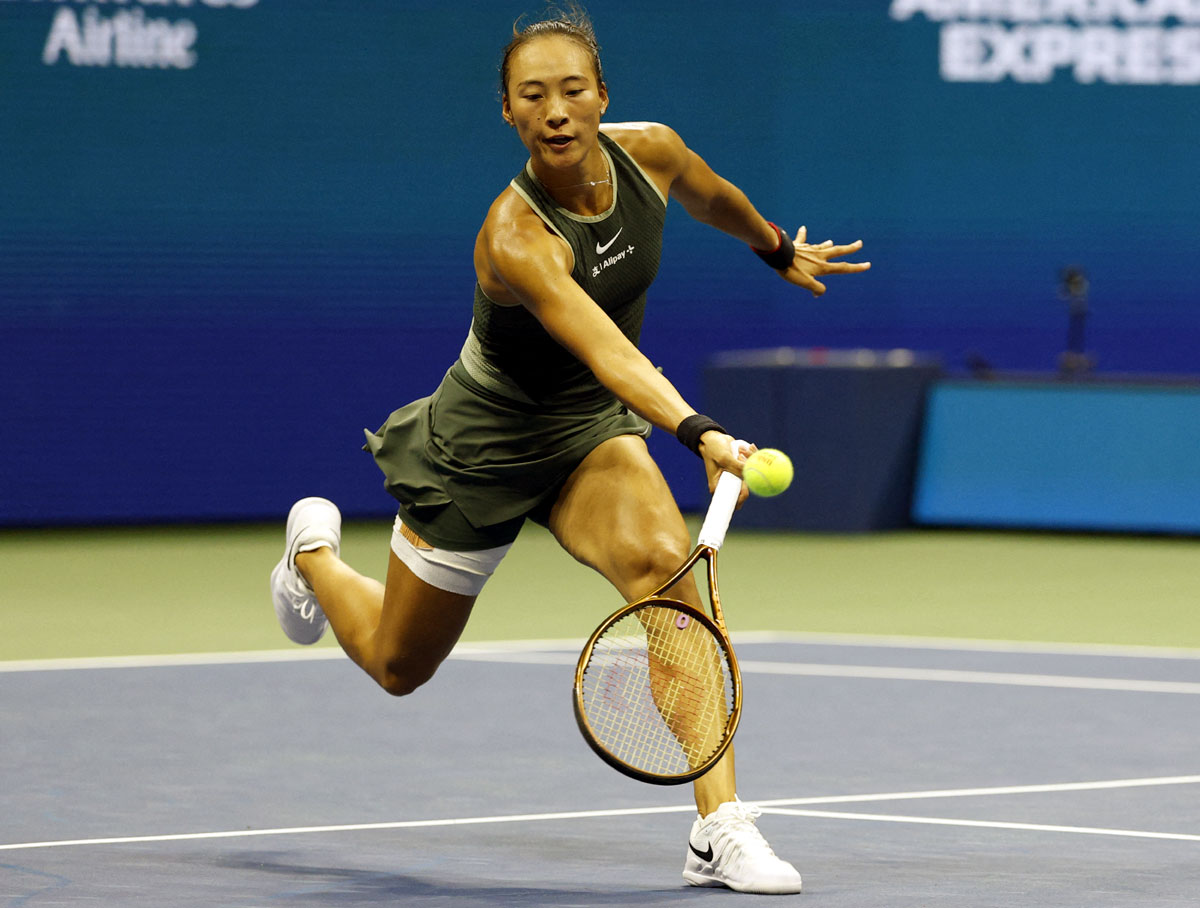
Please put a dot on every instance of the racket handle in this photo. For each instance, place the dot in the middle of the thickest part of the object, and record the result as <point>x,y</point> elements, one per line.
<point>720,511</point>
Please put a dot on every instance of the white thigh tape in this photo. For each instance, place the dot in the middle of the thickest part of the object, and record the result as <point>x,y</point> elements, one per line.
<point>464,573</point>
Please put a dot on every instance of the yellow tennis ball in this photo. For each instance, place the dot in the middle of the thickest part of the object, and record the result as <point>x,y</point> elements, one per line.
<point>767,472</point>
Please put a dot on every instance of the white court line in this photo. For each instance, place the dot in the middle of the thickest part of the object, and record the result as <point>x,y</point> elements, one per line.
<point>250,657</point>
<point>968,644</point>
<point>541,653</point>
<point>993,791</point>
<point>354,827</point>
<point>773,806</point>
<point>987,824</point>
<point>468,650</point>
<point>172,660</point>
<point>954,676</point>
<point>887,673</point>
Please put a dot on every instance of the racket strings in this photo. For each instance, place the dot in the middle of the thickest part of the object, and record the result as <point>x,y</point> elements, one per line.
<point>657,691</point>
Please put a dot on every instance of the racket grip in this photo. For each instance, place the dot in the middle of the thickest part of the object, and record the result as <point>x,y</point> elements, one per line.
<point>720,511</point>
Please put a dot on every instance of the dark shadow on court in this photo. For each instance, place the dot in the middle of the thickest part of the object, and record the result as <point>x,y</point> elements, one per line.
<point>342,886</point>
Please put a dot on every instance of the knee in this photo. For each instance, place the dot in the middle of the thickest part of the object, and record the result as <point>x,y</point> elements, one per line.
<point>651,558</point>
<point>400,677</point>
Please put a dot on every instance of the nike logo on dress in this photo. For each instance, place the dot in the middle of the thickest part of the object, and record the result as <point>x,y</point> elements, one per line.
<point>600,250</point>
<point>705,856</point>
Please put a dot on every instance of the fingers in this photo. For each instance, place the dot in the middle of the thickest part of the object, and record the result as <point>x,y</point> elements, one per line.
<point>735,463</point>
<point>835,251</point>
<point>813,285</point>
<point>814,259</point>
<point>743,451</point>
<point>742,496</point>
<point>828,250</point>
<point>802,240</point>
<point>722,455</point>
<point>801,274</point>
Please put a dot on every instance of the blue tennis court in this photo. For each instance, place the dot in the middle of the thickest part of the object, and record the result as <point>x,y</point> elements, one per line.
<point>890,772</point>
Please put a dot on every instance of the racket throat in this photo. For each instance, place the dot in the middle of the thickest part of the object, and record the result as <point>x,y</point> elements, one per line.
<point>709,554</point>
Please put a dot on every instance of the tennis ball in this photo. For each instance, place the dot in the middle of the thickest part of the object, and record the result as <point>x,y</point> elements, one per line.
<point>767,472</point>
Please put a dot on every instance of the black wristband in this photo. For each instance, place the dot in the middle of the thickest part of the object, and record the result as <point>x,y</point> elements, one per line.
<point>692,428</point>
<point>781,257</point>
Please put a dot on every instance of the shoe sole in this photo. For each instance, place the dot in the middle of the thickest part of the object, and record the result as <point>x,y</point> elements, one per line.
<point>699,879</point>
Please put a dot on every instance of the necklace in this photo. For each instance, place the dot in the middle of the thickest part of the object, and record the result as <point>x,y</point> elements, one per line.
<point>607,179</point>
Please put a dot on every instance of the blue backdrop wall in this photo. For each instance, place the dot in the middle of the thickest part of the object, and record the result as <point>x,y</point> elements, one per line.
<point>233,233</point>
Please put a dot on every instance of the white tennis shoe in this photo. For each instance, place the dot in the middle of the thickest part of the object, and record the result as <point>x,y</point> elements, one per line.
<point>313,523</point>
<point>725,848</point>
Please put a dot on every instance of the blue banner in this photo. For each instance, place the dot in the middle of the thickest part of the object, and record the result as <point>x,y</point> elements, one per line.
<point>236,232</point>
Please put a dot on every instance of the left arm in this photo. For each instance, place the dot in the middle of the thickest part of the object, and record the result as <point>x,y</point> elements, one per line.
<point>712,199</point>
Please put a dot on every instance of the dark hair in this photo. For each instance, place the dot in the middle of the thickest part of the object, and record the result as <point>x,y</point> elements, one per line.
<point>570,22</point>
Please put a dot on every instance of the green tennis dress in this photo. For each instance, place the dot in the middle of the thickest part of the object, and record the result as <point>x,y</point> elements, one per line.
<point>517,412</point>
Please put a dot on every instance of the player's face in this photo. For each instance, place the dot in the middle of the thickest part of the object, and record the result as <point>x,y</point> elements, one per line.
<point>555,101</point>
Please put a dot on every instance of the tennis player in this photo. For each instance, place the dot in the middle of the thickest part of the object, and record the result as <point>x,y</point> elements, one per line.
<point>545,413</point>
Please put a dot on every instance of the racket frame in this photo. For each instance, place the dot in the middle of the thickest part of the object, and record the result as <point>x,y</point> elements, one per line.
<point>715,625</point>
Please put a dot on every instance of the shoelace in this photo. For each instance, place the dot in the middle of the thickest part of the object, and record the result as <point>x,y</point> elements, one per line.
<point>741,814</point>
<point>736,827</point>
<point>304,603</point>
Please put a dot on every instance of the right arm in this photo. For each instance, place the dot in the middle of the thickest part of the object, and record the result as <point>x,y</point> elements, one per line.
<point>533,268</point>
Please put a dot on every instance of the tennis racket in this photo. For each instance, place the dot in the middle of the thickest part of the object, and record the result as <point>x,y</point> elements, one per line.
<point>658,694</point>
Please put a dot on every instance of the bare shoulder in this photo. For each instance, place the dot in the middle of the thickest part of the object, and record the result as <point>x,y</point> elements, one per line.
<point>513,237</point>
<point>512,228</point>
<point>655,146</point>
<point>510,218</point>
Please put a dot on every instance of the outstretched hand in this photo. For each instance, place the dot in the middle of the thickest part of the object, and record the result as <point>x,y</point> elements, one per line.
<point>812,262</point>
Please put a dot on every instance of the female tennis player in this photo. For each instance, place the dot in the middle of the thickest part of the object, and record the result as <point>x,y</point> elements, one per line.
<point>545,413</point>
